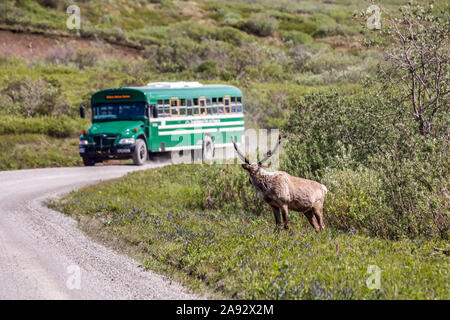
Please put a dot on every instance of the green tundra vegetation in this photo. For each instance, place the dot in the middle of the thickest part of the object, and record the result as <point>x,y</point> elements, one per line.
<point>356,114</point>
<point>202,225</point>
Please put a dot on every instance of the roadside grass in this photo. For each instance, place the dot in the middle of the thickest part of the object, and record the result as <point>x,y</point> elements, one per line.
<point>28,151</point>
<point>58,127</point>
<point>161,217</point>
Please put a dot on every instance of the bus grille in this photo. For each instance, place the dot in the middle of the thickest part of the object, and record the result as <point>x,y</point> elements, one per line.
<point>104,142</point>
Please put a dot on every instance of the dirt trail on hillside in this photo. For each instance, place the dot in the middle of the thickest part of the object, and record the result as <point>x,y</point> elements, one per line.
<point>35,47</point>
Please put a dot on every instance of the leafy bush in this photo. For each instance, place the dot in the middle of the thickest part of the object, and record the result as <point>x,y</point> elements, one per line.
<point>29,97</point>
<point>262,25</point>
<point>296,37</point>
<point>357,200</point>
<point>68,56</point>
<point>383,179</point>
<point>227,188</point>
<point>49,3</point>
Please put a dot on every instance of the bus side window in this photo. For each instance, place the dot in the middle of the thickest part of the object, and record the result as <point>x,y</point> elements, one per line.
<point>166,107</point>
<point>233,104</point>
<point>189,107</point>
<point>195,106</point>
<point>209,106</point>
<point>239,104</point>
<point>202,106</point>
<point>214,105</point>
<point>160,108</point>
<point>226,105</point>
<point>174,107</point>
<point>183,107</point>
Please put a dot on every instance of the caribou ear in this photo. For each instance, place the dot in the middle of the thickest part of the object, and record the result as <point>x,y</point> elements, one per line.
<point>264,165</point>
<point>245,166</point>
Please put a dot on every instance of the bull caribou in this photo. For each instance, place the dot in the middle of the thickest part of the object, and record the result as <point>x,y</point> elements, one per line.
<point>284,192</point>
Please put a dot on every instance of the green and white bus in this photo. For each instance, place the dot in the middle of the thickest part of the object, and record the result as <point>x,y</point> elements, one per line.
<point>136,122</point>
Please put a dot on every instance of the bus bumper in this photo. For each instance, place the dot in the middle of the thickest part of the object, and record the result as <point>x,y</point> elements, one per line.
<point>114,152</point>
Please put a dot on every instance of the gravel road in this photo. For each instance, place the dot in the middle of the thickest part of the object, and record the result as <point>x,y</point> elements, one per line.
<point>43,255</point>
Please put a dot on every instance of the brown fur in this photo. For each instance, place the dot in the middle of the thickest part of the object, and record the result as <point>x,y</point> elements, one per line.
<point>285,192</point>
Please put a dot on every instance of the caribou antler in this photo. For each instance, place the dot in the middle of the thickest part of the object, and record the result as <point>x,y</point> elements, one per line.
<point>239,153</point>
<point>270,153</point>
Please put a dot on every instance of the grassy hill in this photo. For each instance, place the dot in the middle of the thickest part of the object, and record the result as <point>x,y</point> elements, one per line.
<point>273,52</point>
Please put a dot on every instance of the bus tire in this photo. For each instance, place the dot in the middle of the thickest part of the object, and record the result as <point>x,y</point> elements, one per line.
<point>207,148</point>
<point>88,162</point>
<point>140,152</point>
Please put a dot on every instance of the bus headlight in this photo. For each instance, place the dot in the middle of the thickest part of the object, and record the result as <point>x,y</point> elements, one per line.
<point>83,142</point>
<point>127,141</point>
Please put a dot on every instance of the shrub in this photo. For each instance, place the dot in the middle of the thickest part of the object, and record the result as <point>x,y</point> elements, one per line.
<point>67,56</point>
<point>208,69</point>
<point>414,173</point>
<point>262,25</point>
<point>29,97</point>
<point>383,178</point>
<point>229,18</point>
<point>54,4</point>
<point>326,25</point>
<point>296,37</point>
<point>357,199</point>
<point>230,35</point>
<point>227,188</point>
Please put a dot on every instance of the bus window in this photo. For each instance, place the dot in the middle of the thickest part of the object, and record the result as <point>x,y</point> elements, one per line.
<point>233,104</point>
<point>183,108</point>
<point>202,106</point>
<point>189,107</point>
<point>214,106</point>
<point>195,110</point>
<point>174,107</point>
<point>166,107</point>
<point>226,105</point>
<point>160,108</point>
<point>209,106</point>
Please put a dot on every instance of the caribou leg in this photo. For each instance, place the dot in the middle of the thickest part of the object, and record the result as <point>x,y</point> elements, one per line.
<point>312,220</point>
<point>318,212</point>
<point>284,210</point>
<point>276,214</point>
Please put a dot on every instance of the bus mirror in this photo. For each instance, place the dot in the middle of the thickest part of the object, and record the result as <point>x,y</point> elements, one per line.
<point>82,112</point>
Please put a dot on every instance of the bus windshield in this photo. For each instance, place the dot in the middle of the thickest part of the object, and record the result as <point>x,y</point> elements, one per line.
<point>119,111</point>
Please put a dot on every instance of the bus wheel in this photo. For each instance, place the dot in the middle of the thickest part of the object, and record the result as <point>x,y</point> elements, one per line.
<point>88,162</point>
<point>140,153</point>
<point>208,148</point>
